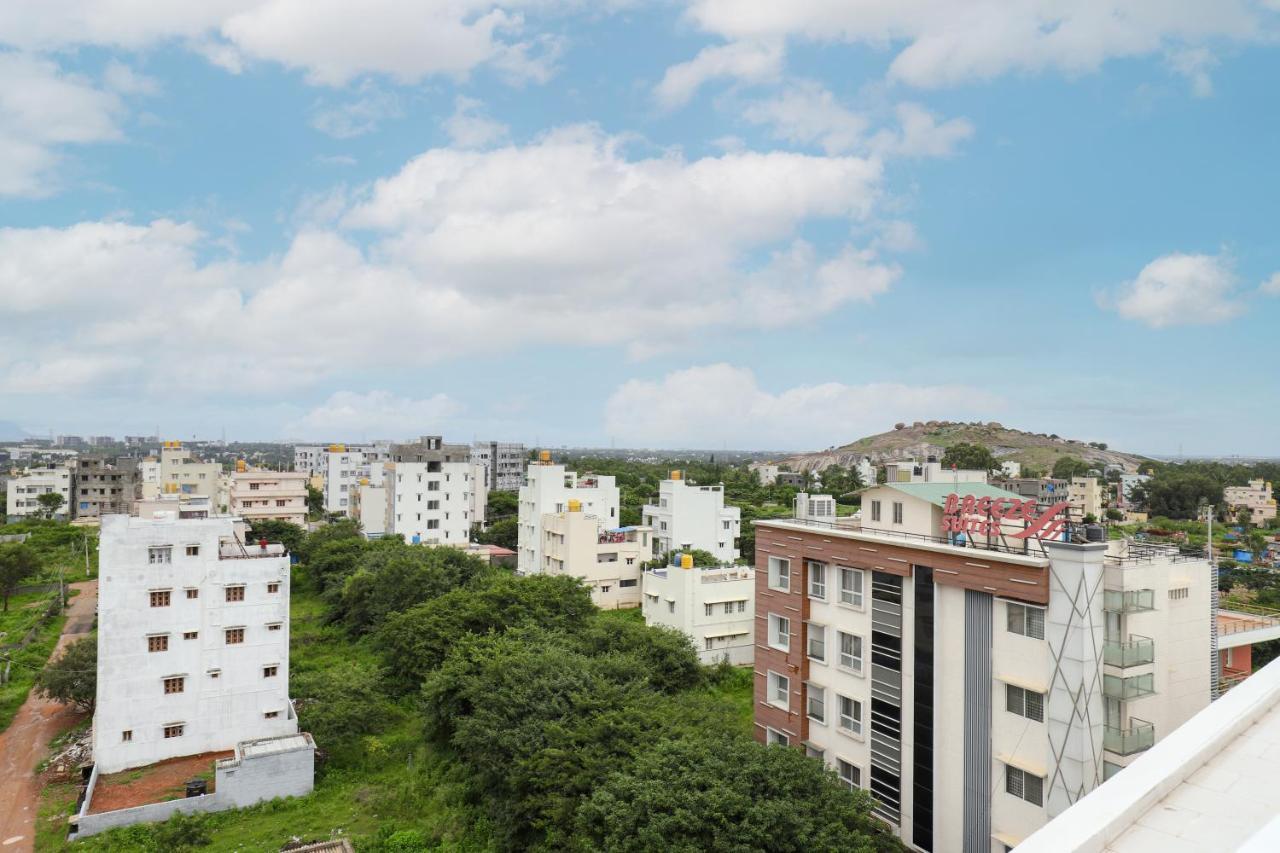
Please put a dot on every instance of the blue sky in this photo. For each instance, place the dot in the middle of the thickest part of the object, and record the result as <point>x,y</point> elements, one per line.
<point>700,223</point>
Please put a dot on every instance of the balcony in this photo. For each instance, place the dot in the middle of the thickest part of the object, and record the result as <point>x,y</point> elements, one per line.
<point>1132,687</point>
<point>1139,736</point>
<point>1128,601</point>
<point>1138,651</point>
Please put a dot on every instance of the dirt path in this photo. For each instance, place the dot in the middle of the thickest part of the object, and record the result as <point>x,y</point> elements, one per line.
<point>23,744</point>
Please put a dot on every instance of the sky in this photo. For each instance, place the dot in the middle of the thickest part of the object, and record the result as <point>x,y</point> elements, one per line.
<point>687,223</point>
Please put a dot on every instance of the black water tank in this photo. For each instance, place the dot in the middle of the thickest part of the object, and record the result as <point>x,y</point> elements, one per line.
<point>1094,533</point>
<point>197,787</point>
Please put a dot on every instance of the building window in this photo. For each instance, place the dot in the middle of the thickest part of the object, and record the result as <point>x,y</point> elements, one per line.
<point>776,738</point>
<point>193,593</point>
<point>818,580</point>
<point>174,685</point>
<point>126,735</point>
<point>235,636</point>
<point>851,651</point>
<point>779,632</point>
<point>812,751</point>
<point>160,598</point>
<point>850,715</point>
<point>728,608</point>
<point>779,690</point>
<point>235,593</point>
<point>1025,620</point>
<point>1024,785</point>
<point>849,774</point>
<point>273,587</point>
<point>875,510</point>
<point>162,554</point>
<point>1179,593</point>
<point>158,643</point>
<point>897,512</point>
<point>1024,703</point>
<point>627,583</point>
<point>816,703</point>
<point>817,636</point>
<point>708,643</point>
<point>708,607</point>
<point>851,587</point>
<point>274,626</point>
<point>190,635</point>
<point>742,606</point>
<point>433,486</point>
<point>671,607</point>
<point>271,715</point>
<point>214,673</point>
<point>193,550</point>
<point>270,671</point>
<point>174,730</point>
<point>780,573</point>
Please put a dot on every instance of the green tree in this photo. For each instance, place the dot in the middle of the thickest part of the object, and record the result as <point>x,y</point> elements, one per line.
<point>504,532</point>
<point>291,536</point>
<point>719,793</point>
<point>341,703</point>
<point>701,558</point>
<point>970,457</point>
<point>391,579</point>
<point>1067,467</point>
<point>315,503</point>
<point>18,561</point>
<point>72,679</point>
<point>1114,514</point>
<point>1244,517</point>
<point>1257,544</point>
<point>50,503</point>
<point>1176,493</point>
<point>501,505</point>
<point>346,529</point>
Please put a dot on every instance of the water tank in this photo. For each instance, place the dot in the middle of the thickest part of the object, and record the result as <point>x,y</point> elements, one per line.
<point>575,505</point>
<point>676,475</point>
<point>197,787</point>
<point>686,561</point>
<point>1094,533</point>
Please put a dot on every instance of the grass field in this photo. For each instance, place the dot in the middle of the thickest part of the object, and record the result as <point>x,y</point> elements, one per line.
<point>29,660</point>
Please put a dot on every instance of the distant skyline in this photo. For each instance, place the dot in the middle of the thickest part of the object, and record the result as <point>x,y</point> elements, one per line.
<point>688,224</point>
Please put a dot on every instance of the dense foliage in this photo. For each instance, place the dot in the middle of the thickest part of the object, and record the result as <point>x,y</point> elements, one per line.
<point>18,562</point>
<point>970,457</point>
<point>291,536</point>
<point>72,679</point>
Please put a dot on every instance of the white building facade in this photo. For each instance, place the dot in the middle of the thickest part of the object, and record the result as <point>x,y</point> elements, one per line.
<point>607,560</point>
<point>505,462</point>
<point>714,606</point>
<point>193,640</point>
<point>23,491</point>
<point>548,489</point>
<point>428,486</point>
<point>269,495</point>
<point>688,516</point>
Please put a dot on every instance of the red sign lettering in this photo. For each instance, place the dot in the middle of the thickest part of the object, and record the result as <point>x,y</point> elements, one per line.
<point>986,516</point>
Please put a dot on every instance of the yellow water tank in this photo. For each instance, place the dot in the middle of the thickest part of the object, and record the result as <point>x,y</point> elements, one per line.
<point>337,448</point>
<point>241,466</point>
<point>544,457</point>
<point>676,475</point>
<point>364,481</point>
<point>575,505</point>
<point>686,561</point>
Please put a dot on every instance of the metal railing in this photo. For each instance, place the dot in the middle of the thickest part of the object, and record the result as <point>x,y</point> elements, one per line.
<point>1139,736</point>
<point>1031,548</point>
<point>1128,601</point>
<point>1253,618</point>
<point>1126,688</point>
<point>1137,651</point>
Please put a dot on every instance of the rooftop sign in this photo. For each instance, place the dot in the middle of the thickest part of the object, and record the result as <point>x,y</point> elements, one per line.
<point>986,516</point>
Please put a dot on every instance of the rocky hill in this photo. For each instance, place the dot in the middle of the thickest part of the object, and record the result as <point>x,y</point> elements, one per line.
<point>922,438</point>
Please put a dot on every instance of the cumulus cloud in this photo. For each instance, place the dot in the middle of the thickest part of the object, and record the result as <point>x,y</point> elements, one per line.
<point>1194,64</point>
<point>943,43</point>
<point>1180,290</point>
<point>357,117</point>
<point>920,134</point>
<point>563,239</point>
<point>469,127</point>
<point>376,412</point>
<point>721,404</point>
<point>806,113</point>
<point>752,62</point>
<point>1271,287</point>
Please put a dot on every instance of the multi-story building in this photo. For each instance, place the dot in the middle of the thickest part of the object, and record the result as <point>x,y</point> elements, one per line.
<point>693,517</point>
<point>193,640</point>
<point>1044,490</point>
<point>1126,487</point>
<point>505,462</point>
<point>480,488</point>
<point>313,458</point>
<point>1011,469</point>
<point>369,508</point>
<point>766,471</point>
<point>714,606</point>
<point>970,667</point>
<point>866,471</point>
<point>1084,499</point>
<point>178,471</point>
<point>1255,497</point>
<point>548,489</point>
<point>428,487</point>
<point>930,471</point>
<point>269,495</point>
<point>608,560</point>
<point>23,491</point>
<point>103,488</point>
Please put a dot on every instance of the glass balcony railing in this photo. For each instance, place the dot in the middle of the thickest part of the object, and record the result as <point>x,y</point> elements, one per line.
<point>1136,652</point>
<point>1139,736</point>
<point>1129,600</point>
<point>1124,689</point>
<point>1110,769</point>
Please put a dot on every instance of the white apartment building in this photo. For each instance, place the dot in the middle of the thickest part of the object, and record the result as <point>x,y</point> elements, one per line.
<point>1085,497</point>
<point>178,471</point>
<point>480,488</point>
<point>269,495</point>
<point>548,489</point>
<point>369,508</point>
<point>866,471</point>
<point>1255,497</point>
<point>767,471</point>
<point>429,492</point>
<point>607,560</point>
<point>930,471</point>
<point>714,606</point>
<point>1011,469</point>
<point>977,691</point>
<point>193,640</point>
<point>693,517</point>
<point>1125,488</point>
<point>23,491</point>
<point>313,458</point>
<point>505,462</point>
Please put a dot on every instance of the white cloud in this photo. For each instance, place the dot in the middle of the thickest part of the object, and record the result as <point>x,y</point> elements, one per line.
<point>566,239</point>
<point>920,134</point>
<point>42,110</point>
<point>752,62</point>
<point>120,78</point>
<point>1271,287</point>
<point>720,404</point>
<point>376,412</point>
<point>1194,64</point>
<point>942,42</point>
<point>1181,290</point>
<point>806,113</point>
<point>331,41</point>
<point>358,117</point>
<point>469,127</point>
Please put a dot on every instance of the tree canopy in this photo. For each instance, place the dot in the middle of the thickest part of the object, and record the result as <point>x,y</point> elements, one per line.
<point>970,457</point>
<point>50,503</point>
<point>1066,467</point>
<point>72,679</point>
<point>18,561</point>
